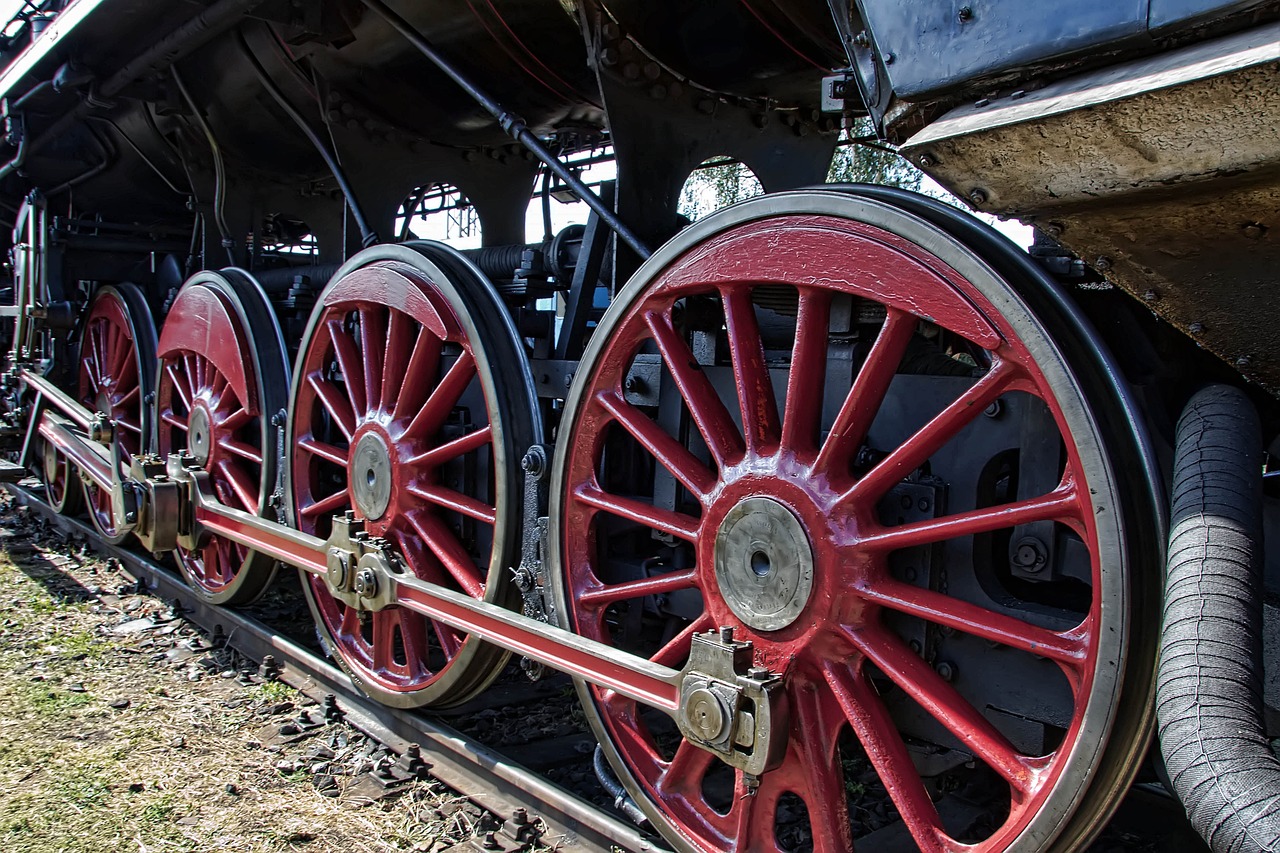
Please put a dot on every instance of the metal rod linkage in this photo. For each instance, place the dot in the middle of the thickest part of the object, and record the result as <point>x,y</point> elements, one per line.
<point>514,126</point>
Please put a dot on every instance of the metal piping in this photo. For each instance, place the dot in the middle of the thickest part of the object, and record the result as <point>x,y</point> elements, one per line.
<point>368,236</point>
<point>219,168</point>
<point>514,126</point>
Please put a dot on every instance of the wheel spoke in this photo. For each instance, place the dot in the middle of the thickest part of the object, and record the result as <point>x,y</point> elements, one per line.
<point>943,702</point>
<point>669,453</point>
<point>664,520</point>
<point>446,395</point>
<point>757,402</point>
<point>705,406</point>
<point>868,391</point>
<point>326,506</point>
<point>437,456</point>
<point>449,551</point>
<point>373,349</point>
<point>456,501</point>
<point>1062,504</point>
<point>385,623</point>
<point>676,651</point>
<point>237,419</point>
<point>683,776</point>
<point>420,374</point>
<point>1067,649</point>
<point>395,360</point>
<point>334,403</point>
<point>913,452</point>
<point>175,422</point>
<point>803,409</point>
<point>241,449</point>
<point>874,727</point>
<point>824,775</point>
<point>601,596</point>
<point>349,362</point>
<point>413,634</point>
<point>179,385</point>
<point>241,485</point>
<point>324,450</point>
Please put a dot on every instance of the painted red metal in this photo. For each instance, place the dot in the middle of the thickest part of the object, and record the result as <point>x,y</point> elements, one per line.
<point>403,362</point>
<point>831,650</point>
<point>109,382</point>
<point>205,384</point>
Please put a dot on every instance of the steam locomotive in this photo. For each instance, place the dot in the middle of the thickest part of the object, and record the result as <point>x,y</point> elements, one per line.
<point>832,494</point>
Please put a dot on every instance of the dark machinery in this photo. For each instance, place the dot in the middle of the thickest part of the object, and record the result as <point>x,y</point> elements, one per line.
<point>833,497</point>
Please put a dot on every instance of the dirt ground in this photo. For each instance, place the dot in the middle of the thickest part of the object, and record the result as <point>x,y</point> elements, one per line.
<point>122,728</point>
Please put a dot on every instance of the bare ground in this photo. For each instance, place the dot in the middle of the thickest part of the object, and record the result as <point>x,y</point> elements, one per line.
<point>123,729</point>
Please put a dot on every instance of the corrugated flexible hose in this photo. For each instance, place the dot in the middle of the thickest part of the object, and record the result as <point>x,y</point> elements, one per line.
<point>1209,683</point>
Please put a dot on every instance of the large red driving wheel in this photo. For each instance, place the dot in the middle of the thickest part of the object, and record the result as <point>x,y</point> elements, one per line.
<point>829,425</point>
<point>117,378</point>
<point>223,376</point>
<point>411,407</point>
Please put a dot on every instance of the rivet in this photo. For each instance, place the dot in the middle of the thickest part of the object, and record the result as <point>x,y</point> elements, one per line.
<point>1243,362</point>
<point>1018,95</point>
<point>946,670</point>
<point>1103,263</point>
<point>1196,328</point>
<point>1150,296</point>
<point>981,102</point>
<point>965,14</point>
<point>888,58</point>
<point>1254,230</point>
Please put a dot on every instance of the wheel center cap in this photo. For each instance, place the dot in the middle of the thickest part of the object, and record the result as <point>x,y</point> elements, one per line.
<point>370,476</point>
<point>199,434</point>
<point>764,564</point>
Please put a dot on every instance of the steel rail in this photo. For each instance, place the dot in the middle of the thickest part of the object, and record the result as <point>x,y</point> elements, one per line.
<point>482,774</point>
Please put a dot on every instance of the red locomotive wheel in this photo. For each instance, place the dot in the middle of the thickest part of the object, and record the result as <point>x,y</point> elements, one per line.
<point>117,377</point>
<point>828,424</point>
<point>223,375</point>
<point>61,482</point>
<point>412,407</point>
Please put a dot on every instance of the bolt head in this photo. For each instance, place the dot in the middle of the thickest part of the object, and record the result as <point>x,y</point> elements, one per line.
<point>978,197</point>
<point>927,160</point>
<point>1103,263</point>
<point>1196,328</point>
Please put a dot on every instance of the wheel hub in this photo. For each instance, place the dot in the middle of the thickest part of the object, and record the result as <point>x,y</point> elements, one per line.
<point>764,564</point>
<point>199,435</point>
<point>370,476</point>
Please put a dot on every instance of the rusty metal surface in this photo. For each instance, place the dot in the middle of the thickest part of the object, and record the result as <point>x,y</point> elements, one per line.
<point>1164,176</point>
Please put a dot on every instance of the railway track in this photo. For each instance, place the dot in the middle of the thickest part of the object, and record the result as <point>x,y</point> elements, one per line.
<point>489,778</point>
<point>1148,820</point>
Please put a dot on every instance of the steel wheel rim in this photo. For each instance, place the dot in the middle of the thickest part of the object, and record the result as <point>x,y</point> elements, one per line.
<point>216,391</point>
<point>60,481</point>
<point>117,377</point>
<point>1055,792</point>
<point>445,298</point>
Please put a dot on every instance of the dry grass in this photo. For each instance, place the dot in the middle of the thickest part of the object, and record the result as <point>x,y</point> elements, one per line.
<point>186,764</point>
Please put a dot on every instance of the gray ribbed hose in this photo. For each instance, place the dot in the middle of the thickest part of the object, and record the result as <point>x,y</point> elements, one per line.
<point>1209,684</point>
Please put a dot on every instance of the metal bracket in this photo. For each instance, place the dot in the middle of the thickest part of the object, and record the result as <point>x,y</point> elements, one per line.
<point>531,575</point>
<point>157,500</point>
<point>362,569</point>
<point>730,707</point>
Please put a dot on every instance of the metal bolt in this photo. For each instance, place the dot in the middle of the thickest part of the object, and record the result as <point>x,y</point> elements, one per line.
<point>1150,296</point>
<point>965,14</point>
<point>1054,229</point>
<point>946,670</point>
<point>1103,263</point>
<point>533,463</point>
<point>519,817</point>
<point>1017,95</point>
<point>491,842</point>
<point>888,58</point>
<point>1254,230</point>
<point>568,379</point>
<point>927,160</point>
<point>366,582</point>
<point>1196,328</point>
<point>978,197</point>
<point>993,409</point>
<point>915,646</point>
<point>1243,361</point>
<point>981,102</point>
<point>1030,554</point>
<point>924,504</point>
<point>862,39</point>
<point>726,634</point>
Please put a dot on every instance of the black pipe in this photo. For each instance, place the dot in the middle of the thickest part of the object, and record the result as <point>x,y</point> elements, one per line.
<point>1209,682</point>
<point>219,168</point>
<point>514,126</point>
<point>368,236</point>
